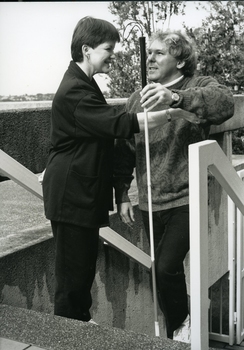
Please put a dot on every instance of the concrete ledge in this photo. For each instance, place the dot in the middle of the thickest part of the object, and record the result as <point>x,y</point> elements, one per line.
<point>8,106</point>
<point>238,161</point>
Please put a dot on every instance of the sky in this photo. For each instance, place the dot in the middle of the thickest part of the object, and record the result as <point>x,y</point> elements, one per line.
<point>35,40</point>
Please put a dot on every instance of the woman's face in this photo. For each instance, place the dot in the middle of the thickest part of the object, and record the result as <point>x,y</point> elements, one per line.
<point>101,57</point>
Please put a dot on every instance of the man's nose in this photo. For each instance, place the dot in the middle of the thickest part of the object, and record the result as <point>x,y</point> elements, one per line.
<point>151,57</point>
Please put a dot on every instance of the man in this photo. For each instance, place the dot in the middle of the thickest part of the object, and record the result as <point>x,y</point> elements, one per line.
<point>171,66</point>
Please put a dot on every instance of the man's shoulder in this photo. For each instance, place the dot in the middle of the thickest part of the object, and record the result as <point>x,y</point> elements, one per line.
<point>133,102</point>
<point>135,95</point>
<point>198,80</point>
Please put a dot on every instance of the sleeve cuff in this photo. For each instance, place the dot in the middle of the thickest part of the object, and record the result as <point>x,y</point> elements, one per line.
<point>121,189</point>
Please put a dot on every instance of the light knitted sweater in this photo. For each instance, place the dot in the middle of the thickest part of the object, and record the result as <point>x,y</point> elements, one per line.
<point>169,144</point>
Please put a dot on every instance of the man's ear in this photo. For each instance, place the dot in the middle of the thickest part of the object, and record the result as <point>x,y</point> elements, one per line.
<point>180,65</point>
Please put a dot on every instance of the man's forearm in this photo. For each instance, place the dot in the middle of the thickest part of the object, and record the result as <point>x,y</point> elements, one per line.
<point>214,102</point>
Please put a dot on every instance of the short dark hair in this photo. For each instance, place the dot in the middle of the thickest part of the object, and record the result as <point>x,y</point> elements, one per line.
<point>181,47</point>
<point>92,32</point>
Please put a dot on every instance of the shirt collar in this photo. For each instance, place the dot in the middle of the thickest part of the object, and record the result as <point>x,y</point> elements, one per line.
<point>174,81</point>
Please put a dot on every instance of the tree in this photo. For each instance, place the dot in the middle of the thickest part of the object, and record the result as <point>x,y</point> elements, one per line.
<point>220,44</point>
<point>134,19</point>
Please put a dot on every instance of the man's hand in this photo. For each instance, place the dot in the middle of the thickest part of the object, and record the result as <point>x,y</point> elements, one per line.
<point>155,94</point>
<point>126,213</point>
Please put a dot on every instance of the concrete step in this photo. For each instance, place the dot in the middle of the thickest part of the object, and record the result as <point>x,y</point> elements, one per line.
<point>27,329</point>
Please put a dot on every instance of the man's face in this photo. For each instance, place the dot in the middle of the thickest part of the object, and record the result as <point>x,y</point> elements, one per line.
<point>161,66</point>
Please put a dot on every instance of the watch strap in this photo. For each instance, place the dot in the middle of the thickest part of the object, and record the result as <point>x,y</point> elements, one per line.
<point>168,115</point>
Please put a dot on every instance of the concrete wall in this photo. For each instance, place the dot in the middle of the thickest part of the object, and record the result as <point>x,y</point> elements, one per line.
<point>24,135</point>
<point>121,297</point>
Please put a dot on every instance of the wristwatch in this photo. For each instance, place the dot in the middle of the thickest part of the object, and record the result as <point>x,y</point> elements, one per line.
<point>175,97</point>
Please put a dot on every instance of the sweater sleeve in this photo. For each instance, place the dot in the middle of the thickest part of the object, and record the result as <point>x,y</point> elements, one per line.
<point>208,99</point>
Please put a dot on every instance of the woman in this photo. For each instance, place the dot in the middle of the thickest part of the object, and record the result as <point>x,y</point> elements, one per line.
<point>77,184</point>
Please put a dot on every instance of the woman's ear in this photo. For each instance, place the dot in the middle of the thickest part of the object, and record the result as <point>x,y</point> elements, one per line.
<point>85,51</point>
<point>180,65</point>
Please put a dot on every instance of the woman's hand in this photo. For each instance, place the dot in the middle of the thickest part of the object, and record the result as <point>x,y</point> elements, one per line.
<point>155,94</point>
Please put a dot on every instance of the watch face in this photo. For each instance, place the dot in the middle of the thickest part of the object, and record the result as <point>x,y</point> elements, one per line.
<point>175,96</point>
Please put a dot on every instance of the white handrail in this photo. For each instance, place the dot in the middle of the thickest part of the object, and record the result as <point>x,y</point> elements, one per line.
<point>204,156</point>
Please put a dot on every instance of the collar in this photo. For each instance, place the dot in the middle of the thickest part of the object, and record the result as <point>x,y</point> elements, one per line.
<point>173,82</point>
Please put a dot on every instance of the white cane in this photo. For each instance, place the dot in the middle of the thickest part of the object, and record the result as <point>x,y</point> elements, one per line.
<point>152,254</point>
<point>143,75</point>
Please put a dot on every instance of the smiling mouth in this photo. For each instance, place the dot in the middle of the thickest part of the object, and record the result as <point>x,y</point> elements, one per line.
<point>152,70</point>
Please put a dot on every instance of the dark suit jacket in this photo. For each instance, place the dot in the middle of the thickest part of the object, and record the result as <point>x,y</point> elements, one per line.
<point>77,185</point>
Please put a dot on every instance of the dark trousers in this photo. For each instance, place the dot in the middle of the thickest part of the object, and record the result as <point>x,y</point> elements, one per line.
<point>171,243</point>
<point>75,268</point>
